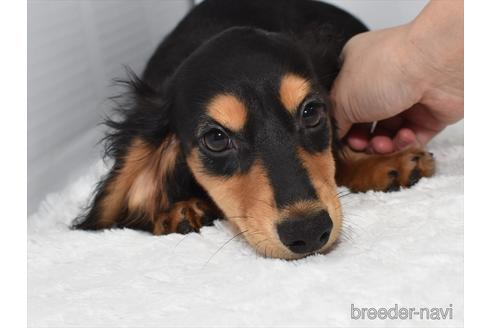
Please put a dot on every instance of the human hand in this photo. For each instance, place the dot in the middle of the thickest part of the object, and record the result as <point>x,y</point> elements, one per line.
<point>409,78</point>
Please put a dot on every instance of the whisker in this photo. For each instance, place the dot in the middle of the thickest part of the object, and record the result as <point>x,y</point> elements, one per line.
<point>353,214</point>
<point>347,233</point>
<point>179,242</point>
<point>345,224</point>
<point>345,203</point>
<point>344,236</point>
<point>257,245</point>
<point>223,245</point>
<point>354,229</point>
<point>348,201</point>
<point>345,195</point>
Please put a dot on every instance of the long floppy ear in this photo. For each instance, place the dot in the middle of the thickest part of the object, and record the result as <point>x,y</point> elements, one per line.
<point>133,194</point>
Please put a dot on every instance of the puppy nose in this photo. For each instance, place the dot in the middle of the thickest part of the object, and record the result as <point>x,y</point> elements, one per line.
<point>305,234</point>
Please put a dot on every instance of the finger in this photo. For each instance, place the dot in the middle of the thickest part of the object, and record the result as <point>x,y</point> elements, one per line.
<point>358,136</point>
<point>423,134</point>
<point>381,145</point>
<point>343,127</point>
<point>423,124</point>
<point>381,141</point>
<point>343,123</point>
<point>404,138</point>
<point>341,105</point>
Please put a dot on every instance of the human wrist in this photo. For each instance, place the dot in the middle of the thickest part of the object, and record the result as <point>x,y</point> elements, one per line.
<point>434,45</point>
<point>414,80</point>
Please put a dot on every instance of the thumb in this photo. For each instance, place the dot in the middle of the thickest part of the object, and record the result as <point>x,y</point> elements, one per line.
<point>339,112</point>
<point>342,123</point>
<point>423,123</point>
<point>424,134</point>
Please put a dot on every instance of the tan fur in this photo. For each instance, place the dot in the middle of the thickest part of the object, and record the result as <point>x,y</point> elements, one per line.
<point>138,184</point>
<point>293,89</point>
<point>111,204</point>
<point>228,111</point>
<point>300,209</point>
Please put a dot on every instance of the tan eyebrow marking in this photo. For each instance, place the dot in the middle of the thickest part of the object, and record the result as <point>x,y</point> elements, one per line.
<point>293,89</point>
<point>228,111</point>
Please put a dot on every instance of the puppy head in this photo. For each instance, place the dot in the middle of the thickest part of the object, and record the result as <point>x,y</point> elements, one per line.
<point>254,127</point>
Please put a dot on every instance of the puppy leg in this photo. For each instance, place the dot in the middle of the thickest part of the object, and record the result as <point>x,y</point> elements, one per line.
<point>361,172</point>
<point>186,216</point>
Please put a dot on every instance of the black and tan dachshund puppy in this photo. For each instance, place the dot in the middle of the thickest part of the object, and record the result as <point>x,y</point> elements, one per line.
<point>232,119</point>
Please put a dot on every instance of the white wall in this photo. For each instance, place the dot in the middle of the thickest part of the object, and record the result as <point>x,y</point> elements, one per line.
<point>75,49</point>
<point>378,14</point>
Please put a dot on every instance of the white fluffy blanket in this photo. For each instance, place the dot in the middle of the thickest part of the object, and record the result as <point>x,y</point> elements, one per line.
<point>403,248</point>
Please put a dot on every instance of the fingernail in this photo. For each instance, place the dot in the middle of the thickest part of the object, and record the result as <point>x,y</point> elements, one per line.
<point>400,144</point>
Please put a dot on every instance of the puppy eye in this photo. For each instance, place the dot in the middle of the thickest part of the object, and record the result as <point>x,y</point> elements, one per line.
<point>312,114</point>
<point>216,140</point>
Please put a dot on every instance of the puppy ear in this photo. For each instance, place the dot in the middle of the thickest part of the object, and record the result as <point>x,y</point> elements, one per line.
<point>133,194</point>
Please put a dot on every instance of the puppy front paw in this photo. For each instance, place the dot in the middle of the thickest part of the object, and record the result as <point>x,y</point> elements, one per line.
<point>408,167</point>
<point>185,217</point>
<point>362,172</point>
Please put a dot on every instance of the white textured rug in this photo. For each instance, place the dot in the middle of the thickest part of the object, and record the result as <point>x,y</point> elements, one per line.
<point>403,248</point>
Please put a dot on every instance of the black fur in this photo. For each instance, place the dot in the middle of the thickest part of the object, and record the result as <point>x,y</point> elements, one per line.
<point>240,47</point>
